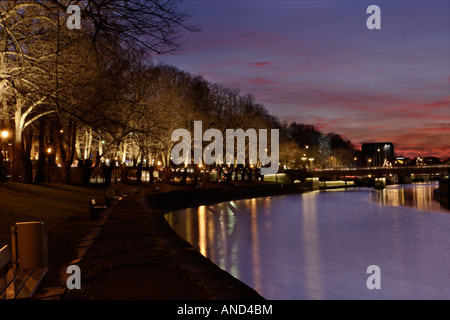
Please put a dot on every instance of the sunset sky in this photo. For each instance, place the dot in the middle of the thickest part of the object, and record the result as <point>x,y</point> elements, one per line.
<point>316,62</point>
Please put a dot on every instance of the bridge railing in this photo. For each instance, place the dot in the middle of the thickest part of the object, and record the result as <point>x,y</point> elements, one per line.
<point>438,166</point>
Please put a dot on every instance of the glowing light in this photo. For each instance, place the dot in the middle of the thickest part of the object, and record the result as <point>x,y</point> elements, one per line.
<point>5,134</point>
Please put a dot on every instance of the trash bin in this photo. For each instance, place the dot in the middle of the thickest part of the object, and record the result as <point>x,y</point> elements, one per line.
<point>29,243</point>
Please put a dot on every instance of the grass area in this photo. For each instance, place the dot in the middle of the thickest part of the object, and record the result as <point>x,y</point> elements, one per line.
<point>60,207</point>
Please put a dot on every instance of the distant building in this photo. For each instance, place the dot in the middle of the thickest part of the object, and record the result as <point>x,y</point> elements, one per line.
<point>429,161</point>
<point>378,153</point>
<point>403,161</point>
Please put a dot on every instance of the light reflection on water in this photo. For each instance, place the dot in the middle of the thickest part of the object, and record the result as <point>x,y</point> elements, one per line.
<point>318,245</point>
<point>417,195</point>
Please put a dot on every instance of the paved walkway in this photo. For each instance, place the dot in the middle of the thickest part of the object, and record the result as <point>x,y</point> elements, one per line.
<point>132,253</point>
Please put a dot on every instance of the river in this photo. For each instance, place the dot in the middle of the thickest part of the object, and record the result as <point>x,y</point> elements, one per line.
<point>319,244</point>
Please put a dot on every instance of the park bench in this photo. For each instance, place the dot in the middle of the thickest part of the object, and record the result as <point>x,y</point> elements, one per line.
<point>110,196</point>
<point>17,283</point>
<point>95,209</point>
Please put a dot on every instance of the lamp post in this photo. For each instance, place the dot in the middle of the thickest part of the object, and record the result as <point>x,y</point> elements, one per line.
<point>311,162</point>
<point>304,160</point>
<point>3,156</point>
<point>378,157</point>
<point>49,151</point>
<point>115,169</point>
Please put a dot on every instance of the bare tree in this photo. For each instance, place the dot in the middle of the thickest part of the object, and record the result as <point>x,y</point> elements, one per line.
<point>40,60</point>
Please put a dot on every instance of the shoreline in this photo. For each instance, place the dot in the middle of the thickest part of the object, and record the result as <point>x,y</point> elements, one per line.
<point>192,198</point>
<point>136,224</point>
<point>134,248</point>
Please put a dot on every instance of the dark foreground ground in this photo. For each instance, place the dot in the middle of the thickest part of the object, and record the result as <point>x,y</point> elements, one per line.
<point>132,253</point>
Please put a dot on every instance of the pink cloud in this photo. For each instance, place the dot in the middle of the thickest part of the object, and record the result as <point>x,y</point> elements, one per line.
<point>259,64</point>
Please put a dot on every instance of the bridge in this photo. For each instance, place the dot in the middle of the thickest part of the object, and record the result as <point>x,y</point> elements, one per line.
<point>366,172</point>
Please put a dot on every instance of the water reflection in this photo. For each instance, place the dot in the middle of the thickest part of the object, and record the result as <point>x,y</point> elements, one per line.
<point>318,245</point>
<point>314,281</point>
<point>256,259</point>
<point>417,195</point>
<point>202,239</point>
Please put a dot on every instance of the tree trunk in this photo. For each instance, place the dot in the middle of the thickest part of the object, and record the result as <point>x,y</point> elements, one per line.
<point>2,164</point>
<point>85,170</point>
<point>139,172</point>
<point>28,165</point>
<point>124,172</point>
<point>17,144</point>
<point>17,161</point>
<point>150,172</point>
<point>70,153</point>
<point>107,172</point>
<point>40,170</point>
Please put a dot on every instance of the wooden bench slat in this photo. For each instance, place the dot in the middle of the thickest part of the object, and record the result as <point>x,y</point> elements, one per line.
<point>32,283</point>
<point>16,285</point>
<point>7,279</point>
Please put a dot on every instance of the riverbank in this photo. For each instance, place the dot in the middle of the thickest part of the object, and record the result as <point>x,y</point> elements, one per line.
<point>133,253</point>
<point>441,193</point>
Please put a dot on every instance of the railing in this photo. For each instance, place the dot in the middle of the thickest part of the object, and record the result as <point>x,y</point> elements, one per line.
<point>440,166</point>
<point>369,171</point>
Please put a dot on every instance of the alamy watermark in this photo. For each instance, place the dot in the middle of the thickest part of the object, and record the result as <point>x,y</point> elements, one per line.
<point>74,20</point>
<point>258,149</point>
<point>374,21</point>
<point>74,280</point>
<point>374,280</point>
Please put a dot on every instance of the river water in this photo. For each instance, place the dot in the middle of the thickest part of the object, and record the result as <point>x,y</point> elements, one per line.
<point>319,245</point>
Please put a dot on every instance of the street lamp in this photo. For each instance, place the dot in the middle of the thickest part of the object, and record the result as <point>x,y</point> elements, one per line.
<point>116,164</point>
<point>3,156</point>
<point>378,157</point>
<point>49,150</point>
<point>304,160</point>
